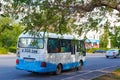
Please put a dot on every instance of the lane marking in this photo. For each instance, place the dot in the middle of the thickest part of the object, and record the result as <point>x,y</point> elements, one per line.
<point>88,72</point>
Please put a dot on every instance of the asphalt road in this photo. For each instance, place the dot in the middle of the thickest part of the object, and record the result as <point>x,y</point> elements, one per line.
<point>96,65</point>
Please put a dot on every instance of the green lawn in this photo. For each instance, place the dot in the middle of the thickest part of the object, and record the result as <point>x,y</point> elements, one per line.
<point>110,76</point>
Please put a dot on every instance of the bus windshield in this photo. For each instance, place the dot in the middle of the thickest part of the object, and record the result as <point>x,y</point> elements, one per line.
<point>31,43</point>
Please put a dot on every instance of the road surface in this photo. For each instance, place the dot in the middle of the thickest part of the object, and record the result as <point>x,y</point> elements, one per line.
<point>96,65</point>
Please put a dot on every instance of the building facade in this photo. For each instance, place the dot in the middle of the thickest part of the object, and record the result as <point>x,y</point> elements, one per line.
<point>92,40</point>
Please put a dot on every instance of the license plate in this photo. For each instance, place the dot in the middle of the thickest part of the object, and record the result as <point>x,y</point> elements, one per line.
<point>29,59</point>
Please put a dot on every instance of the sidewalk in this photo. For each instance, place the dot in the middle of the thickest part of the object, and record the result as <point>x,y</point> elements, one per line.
<point>9,54</point>
<point>95,54</point>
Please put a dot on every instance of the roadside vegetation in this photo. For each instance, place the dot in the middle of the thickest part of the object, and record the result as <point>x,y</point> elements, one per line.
<point>56,16</point>
<point>93,49</point>
<point>110,76</point>
<point>114,40</point>
<point>8,35</point>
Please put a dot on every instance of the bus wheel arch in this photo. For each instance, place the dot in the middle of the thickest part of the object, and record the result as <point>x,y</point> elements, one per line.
<point>59,69</point>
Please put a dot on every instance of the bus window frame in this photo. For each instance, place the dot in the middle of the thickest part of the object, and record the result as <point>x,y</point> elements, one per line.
<point>31,38</point>
<point>83,47</point>
<point>64,46</point>
<point>57,46</point>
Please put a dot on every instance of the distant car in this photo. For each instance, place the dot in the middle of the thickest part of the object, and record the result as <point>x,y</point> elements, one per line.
<point>112,53</point>
<point>99,51</point>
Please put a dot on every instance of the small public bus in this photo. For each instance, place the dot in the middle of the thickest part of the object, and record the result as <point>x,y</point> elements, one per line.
<point>49,52</point>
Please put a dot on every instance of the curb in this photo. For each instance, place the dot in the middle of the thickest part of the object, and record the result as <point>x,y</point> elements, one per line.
<point>9,54</point>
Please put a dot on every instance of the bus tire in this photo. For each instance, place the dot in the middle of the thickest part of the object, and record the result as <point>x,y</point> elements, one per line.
<point>59,69</point>
<point>107,56</point>
<point>80,65</point>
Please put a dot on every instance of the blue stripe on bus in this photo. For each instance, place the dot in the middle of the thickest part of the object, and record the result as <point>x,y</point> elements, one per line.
<point>35,66</point>
<point>84,62</point>
<point>70,65</point>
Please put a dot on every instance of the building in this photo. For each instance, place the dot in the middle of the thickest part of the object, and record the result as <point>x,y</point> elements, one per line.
<point>92,40</point>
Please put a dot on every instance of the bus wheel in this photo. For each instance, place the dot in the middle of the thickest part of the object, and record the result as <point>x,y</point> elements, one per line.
<point>107,56</point>
<point>80,65</point>
<point>59,69</point>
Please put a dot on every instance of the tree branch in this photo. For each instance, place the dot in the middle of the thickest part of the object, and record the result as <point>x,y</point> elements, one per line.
<point>114,4</point>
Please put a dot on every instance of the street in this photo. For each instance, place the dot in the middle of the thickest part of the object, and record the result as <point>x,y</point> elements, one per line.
<point>96,65</point>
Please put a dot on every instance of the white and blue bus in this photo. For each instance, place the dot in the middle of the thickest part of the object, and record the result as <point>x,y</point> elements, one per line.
<point>51,53</point>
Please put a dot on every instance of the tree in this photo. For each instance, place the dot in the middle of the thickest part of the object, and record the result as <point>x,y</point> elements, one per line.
<point>104,37</point>
<point>58,14</point>
<point>5,23</point>
<point>72,5</point>
<point>9,38</point>
<point>115,37</point>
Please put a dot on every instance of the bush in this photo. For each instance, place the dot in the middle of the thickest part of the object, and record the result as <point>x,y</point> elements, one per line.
<point>105,48</point>
<point>12,49</point>
<point>93,49</point>
<point>117,70</point>
<point>3,51</point>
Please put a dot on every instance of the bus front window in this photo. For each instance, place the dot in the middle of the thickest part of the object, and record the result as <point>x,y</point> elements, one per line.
<point>31,43</point>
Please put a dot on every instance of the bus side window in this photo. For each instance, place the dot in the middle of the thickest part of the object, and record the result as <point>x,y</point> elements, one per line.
<point>53,45</point>
<point>65,45</point>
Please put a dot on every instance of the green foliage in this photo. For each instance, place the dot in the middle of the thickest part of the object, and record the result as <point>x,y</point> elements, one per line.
<point>117,70</point>
<point>12,49</point>
<point>49,18</point>
<point>9,33</point>
<point>9,37</point>
<point>93,49</point>
<point>3,51</point>
<point>5,24</point>
<point>49,15</point>
<point>104,37</point>
<point>115,37</point>
<point>54,16</point>
<point>103,41</point>
<point>93,23</point>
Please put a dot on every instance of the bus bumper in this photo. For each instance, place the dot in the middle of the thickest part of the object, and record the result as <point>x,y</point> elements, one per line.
<point>35,66</point>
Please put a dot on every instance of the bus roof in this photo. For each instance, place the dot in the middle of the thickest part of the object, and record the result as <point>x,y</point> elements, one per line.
<point>51,35</point>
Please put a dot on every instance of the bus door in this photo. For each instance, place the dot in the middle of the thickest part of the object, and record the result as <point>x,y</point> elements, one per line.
<point>81,48</point>
<point>73,53</point>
